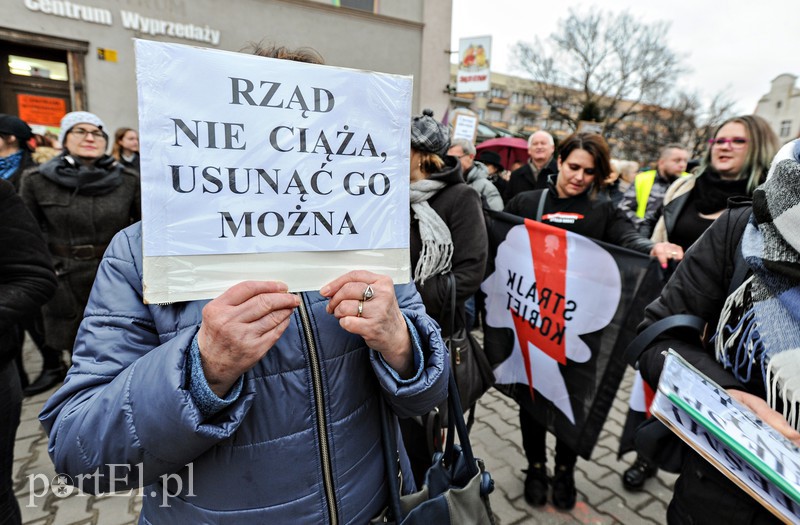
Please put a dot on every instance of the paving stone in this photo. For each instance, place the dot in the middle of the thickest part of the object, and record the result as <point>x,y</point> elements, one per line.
<point>29,428</point>
<point>655,510</point>
<point>73,508</point>
<point>591,492</point>
<point>36,511</point>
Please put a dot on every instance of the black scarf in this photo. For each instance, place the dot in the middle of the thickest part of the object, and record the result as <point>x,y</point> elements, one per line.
<point>711,192</point>
<point>99,178</point>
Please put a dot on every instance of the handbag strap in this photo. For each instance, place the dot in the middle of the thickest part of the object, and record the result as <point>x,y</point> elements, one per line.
<point>649,334</point>
<point>390,460</point>
<point>455,425</point>
<point>540,208</point>
<point>451,287</point>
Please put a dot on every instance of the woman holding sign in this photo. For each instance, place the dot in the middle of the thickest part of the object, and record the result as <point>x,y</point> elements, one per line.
<point>743,278</point>
<point>259,406</point>
<point>573,202</point>
<point>80,199</point>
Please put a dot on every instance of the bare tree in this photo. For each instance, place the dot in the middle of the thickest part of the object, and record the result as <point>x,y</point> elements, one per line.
<point>685,119</point>
<point>601,66</point>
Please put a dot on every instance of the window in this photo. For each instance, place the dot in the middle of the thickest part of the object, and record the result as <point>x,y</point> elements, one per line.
<point>786,128</point>
<point>495,115</point>
<point>779,104</point>
<point>35,67</point>
<point>498,93</point>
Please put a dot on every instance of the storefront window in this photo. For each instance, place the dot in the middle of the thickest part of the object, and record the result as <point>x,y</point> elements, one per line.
<point>35,67</point>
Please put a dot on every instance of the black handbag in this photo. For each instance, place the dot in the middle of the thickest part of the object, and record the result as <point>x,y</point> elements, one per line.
<point>457,486</point>
<point>468,362</point>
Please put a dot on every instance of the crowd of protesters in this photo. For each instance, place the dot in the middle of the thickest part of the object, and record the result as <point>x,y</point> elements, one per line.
<point>74,198</point>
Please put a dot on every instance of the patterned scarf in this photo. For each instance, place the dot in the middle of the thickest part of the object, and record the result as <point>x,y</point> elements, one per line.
<point>437,243</point>
<point>760,322</point>
<point>9,165</point>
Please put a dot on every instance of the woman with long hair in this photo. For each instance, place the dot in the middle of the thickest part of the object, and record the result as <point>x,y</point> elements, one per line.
<point>735,163</point>
<point>573,202</point>
<point>126,148</point>
<point>747,267</point>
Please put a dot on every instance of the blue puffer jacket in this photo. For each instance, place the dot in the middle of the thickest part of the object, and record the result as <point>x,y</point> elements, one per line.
<point>260,460</point>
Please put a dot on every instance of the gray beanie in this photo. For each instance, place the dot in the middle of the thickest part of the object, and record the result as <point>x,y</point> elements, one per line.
<point>428,135</point>
<point>70,120</point>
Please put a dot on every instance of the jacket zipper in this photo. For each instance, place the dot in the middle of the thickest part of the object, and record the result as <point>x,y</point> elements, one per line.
<point>322,426</point>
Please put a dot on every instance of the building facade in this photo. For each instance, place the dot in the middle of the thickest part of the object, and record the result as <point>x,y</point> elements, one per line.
<point>516,104</point>
<point>59,56</point>
<point>781,107</point>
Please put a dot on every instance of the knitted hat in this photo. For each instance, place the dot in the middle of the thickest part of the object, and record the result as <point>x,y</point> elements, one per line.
<point>428,135</point>
<point>70,120</point>
<point>11,125</point>
<point>490,157</point>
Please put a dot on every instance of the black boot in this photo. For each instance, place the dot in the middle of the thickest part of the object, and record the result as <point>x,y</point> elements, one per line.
<point>633,479</point>
<point>49,378</point>
<point>536,485</point>
<point>564,487</point>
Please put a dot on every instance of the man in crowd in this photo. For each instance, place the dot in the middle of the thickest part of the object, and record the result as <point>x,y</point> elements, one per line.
<point>646,194</point>
<point>533,175</point>
<point>475,173</point>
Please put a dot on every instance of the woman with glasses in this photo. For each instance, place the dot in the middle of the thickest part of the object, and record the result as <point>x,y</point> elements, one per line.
<point>736,161</point>
<point>80,199</point>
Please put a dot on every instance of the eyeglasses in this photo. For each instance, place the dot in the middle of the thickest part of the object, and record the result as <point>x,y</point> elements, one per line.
<point>81,133</point>
<point>735,142</point>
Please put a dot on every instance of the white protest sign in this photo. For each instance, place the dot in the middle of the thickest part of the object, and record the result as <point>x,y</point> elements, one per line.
<point>465,127</point>
<point>474,57</point>
<point>256,168</point>
<point>753,455</point>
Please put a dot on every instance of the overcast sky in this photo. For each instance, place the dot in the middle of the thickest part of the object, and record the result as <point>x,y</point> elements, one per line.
<point>735,46</point>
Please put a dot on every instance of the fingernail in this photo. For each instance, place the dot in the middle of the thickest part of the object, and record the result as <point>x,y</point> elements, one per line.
<point>283,287</point>
<point>664,266</point>
<point>325,290</point>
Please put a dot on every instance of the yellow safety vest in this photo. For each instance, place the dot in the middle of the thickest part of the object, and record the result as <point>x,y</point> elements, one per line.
<point>644,183</point>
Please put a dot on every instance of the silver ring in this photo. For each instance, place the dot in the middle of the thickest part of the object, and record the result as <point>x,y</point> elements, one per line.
<point>673,254</point>
<point>360,308</point>
<point>368,293</point>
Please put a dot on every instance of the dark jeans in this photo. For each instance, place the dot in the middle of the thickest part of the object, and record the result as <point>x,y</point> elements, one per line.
<point>534,442</point>
<point>10,409</point>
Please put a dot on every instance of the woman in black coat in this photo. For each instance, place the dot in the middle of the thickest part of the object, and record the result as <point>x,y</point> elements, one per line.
<point>80,199</point>
<point>26,282</point>
<point>747,363</point>
<point>448,234</point>
<point>574,203</point>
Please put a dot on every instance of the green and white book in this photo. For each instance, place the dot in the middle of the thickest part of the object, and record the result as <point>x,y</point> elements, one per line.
<point>752,454</point>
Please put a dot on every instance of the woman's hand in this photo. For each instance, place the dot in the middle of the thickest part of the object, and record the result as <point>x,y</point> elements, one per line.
<point>239,327</point>
<point>664,251</point>
<point>376,317</point>
<point>769,416</point>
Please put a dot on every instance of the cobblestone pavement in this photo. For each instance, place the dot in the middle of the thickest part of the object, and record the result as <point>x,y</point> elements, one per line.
<point>496,439</point>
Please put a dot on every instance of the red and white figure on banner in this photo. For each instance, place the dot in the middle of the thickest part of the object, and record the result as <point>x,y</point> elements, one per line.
<point>570,286</point>
<point>641,395</point>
